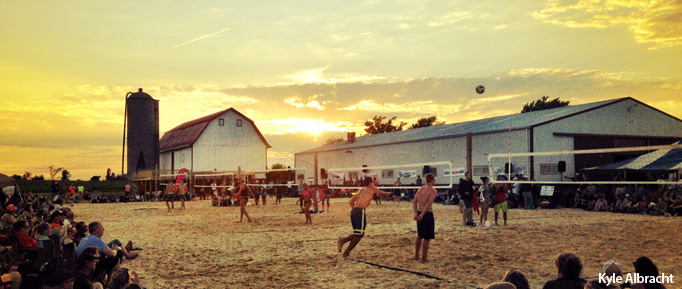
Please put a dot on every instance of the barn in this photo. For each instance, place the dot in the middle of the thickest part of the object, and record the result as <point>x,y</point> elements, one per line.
<point>622,122</point>
<point>223,141</point>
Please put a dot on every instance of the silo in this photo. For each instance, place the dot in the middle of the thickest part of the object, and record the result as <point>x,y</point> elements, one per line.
<point>143,131</point>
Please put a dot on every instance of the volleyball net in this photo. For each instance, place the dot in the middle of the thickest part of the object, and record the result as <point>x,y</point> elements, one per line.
<point>403,176</point>
<point>625,166</point>
<point>277,177</point>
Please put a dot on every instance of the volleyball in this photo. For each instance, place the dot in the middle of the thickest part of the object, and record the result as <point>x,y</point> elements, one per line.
<point>480,89</point>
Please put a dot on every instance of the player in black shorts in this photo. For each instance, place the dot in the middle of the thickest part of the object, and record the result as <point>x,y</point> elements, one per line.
<point>423,214</point>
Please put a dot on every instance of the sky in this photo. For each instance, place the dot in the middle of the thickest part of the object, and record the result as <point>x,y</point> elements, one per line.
<point>305,71</point>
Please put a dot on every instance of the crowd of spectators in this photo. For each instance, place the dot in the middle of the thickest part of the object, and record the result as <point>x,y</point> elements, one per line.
<point>656,200</point>
<point>570,276</point>
<point>43,245</point>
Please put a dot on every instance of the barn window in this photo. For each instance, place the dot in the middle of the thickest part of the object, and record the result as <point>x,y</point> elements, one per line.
<point>549,169</point>
<point>239,122</point>
<point>221,122</point>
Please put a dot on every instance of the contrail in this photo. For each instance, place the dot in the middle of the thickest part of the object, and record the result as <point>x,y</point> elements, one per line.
<point>202,37</point>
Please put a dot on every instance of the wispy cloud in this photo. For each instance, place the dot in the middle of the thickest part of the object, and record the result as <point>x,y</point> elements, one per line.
<point>202,37</point>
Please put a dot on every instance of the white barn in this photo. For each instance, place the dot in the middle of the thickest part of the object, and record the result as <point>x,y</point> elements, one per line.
<point>224,141</point>
<point>623,122</point>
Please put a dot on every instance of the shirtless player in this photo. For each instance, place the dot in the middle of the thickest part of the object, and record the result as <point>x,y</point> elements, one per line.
<point>423,214</point>
<point>359,203</point>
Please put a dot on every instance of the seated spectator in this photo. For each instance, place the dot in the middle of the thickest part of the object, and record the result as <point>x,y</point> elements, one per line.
<point>14,278</point>
<point>44,233</point>
<point>57,218</point>
<point>633,206</point>
<point>568,267</point>
<point>645,267</point>
<point>621,204</point>
<point>500,285</point>
<point>662,208</point>
<point>7,221</point>
<point>81,232</point>
<point>644,205</point>
<point>86,277</point>
<point>517,278</point>
<point>113,249</point>
<point>21,230</point>
<point>122,279</point>
<point>610,269</point>
<point>601,205</point>
<point>677,207</point>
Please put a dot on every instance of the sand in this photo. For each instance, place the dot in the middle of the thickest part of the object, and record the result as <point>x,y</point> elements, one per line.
<point>205,247</point>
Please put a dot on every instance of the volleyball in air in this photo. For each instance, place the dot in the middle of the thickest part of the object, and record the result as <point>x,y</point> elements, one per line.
<point>480,89</point>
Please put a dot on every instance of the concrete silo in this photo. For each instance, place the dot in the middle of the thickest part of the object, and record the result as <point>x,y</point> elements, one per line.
<point>142,127</point>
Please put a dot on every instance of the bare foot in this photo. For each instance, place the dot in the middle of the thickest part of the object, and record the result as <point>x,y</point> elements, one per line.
<point>423,261</point>
<point>416,258</point>
<point>339,244</point>
<point>346,256</point>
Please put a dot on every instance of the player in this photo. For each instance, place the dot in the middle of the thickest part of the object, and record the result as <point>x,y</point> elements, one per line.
<point>423,214</point>
<point>359,202</point>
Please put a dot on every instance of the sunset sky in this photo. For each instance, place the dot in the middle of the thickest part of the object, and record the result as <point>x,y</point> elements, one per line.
<point>308,70</point>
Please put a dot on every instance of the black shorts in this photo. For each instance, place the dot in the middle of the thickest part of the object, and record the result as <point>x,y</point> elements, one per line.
<point>170,197</point>
<point>467,204</point>
<point>358,220</point>
<point>426,227</point>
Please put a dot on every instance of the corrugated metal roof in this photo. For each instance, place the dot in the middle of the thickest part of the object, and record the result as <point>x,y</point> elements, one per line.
<point>187,133</point>
<point>500,123</point>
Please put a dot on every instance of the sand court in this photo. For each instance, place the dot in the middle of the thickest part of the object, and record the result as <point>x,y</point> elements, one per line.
<point>205,247</point>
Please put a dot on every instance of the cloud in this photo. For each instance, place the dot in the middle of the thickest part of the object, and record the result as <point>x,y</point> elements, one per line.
<point>200,38</point>
<point>654,22</point>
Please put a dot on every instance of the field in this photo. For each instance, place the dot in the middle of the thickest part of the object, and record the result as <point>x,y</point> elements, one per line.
<point>205,247</point>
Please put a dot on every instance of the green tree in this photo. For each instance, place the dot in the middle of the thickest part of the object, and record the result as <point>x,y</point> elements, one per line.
<point>543,103</point>
<point>66,175</point>
<point>377,125</point>
<point>27,176</point>
<point>39,178</point>
<point>426,121</point>
<point>332,140</point>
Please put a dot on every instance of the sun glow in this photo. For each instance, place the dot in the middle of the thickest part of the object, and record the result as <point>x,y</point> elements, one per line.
<point>295,125</point>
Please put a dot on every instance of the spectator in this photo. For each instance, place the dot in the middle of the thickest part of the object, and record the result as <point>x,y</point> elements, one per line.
<point>500,285</point>
<point>645,267</point>
<point>87,278</point>
<point>44,233</point>
<point>601,205</point>
<point>568,267</point>
<point>81,232</point>
<point>122,279</point>
<point>21,229</point>
<point>610,269</point>
<point>7,221</point>
<point>517,278</point>
<point>620,205</point>
<point>112,254</point>
<point>57,219</point>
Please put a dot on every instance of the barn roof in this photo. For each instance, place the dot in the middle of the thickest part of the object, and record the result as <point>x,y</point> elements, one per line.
<point>488,125</point>
<point>187,133</point>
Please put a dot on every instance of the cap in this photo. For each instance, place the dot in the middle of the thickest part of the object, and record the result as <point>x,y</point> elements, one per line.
<point>612,267</point>
<point>11,208</point>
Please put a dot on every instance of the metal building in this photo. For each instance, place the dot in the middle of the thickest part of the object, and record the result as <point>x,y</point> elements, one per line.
<point>224,141</point>
<point>142,125</point>
<point>622,122</point>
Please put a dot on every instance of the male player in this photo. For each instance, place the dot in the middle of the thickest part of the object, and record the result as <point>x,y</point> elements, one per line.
<point>359,202</point>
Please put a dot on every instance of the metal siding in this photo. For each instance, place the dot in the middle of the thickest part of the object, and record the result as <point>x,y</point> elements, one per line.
<point>515,141</point>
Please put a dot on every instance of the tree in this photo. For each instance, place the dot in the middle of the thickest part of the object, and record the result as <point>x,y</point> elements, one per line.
<point>543,103</point>
<point>426,121</point>
<point>39,178</point>
<point>16,177</point>
<point>377,125</point>
<point>66,176</point>
<point>332,140</point>
<point>95,178</point>
<point>27,176</point>
<point>54,172</point>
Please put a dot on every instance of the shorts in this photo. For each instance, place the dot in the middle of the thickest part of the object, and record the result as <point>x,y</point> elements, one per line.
<point>358,220</point>
<point>501,206</point>
<point>466,204</point>
<point>170,197</point>
<point>426,227</point>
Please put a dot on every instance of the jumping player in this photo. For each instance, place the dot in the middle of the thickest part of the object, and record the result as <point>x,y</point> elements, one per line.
<point>359,202</point>
<point>423,214</point>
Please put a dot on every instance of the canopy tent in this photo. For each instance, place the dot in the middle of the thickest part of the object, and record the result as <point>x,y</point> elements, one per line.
<point>6,181</point>
<point>662,160</point>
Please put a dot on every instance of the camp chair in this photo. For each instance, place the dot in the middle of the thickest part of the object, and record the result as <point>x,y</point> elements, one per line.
<point>546,194</point>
